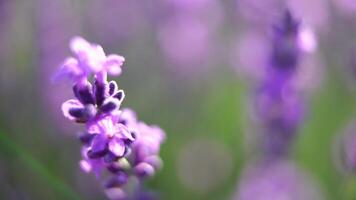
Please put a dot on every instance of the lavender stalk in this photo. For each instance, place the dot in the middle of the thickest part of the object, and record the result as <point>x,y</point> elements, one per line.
<point>116,146</point>
<point>279,106</point>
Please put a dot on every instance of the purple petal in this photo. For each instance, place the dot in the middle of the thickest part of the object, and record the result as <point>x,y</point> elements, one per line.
<point>96,58</point>
<point>91,56</point>
<point>125,133</point>
<point>144,170</point>
<point>117,146</point>
<point>98,147</point>
<point>70,69</point>
<point>79,45</point>
<point>70,105</point>
<point>154,161</point>
<point>113,64</point>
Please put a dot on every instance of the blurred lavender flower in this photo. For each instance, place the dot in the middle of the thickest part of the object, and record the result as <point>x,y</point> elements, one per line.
<point>276,181</point>
<point>179,50</point>
<point>189,23</point>
<point>278,105</point>
<point>110,135</point>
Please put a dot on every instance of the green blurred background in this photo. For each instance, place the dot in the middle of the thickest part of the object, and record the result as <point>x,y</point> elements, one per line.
<point>201,105</point>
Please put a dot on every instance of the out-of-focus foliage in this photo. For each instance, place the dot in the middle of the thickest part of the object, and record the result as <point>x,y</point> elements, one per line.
<point>182,72</point>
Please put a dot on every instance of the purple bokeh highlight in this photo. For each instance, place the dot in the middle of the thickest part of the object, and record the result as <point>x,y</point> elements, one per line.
<point>276,181</point>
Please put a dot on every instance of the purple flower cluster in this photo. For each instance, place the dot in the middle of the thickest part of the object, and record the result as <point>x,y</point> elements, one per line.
<point>116,146</point>
<point>278,104</point>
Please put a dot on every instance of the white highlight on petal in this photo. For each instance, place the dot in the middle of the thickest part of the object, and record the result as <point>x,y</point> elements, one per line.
<point>117,146</point>
<point>69,104</point>
<point>79,45</point>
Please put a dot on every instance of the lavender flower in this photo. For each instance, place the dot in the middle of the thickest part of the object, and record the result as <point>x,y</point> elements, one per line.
<point>278,103</point>
<point>116,146</point>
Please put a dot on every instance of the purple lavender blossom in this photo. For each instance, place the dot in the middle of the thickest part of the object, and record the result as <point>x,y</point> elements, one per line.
<point>116,146</point>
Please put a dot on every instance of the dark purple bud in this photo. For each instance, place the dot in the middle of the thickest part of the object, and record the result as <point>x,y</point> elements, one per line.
<point>112,87</point>
<point>84,94</point>
<point>90,110</point>
<point>109,106</point>
<point>83,114</point>
<point>77,112</point>
<point>119,95</point>
<point>100,92</point>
